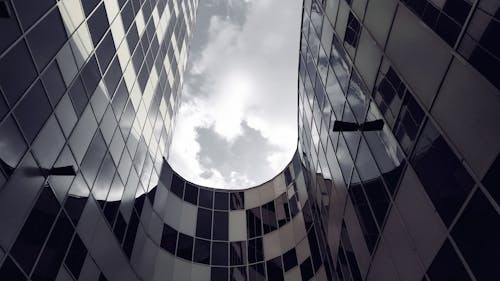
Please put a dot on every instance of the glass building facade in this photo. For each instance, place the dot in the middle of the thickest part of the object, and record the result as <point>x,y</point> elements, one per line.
<point>89,92</point>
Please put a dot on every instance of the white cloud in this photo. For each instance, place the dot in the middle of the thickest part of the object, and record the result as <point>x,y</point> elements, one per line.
<point>246,73</point>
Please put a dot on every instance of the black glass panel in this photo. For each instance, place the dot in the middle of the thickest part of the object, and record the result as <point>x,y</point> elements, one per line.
<point>492,180</point>
<point>29,11</point>
<point>219,274</point>
<point>314,248</point>
<point>204,223</point>
<point>98,24</point>
<point>256,272</point>
<point>238,253</point>
<point>76,256</point>
<point>447,186</point>
<point>78,96</point>
<point>169,238</point>
<point>275,269</point>
<point>221,201</point>
<point>476,234</point>
<point>269,222</point>
<point>93,157</point>
<point>177,186</point>
<point>17,71</point>
<point>191,193</point>
<point>255,250</point>
<point>91,76</point>
<point>10,271</point>
<point>185,246</point>
<point>76,199</point>
<point>447,265</point>
<point>30,240</point>
<point>221,226</point>
<point>238,273</point>
<point>53,82</point>
<point>120,226</point>
<point>254,222</point>
<point>128,242</point>
<point>47,38</point>
<point>220,253</point>
<point>206,198</point>
<point>352,31</point>
<point>202,251</point>
<point>53,254</point>
<point>237,200</point>
<point>306,269</point>
<point>9,28</point>
<point>106,51</point>
<point>290,259</point>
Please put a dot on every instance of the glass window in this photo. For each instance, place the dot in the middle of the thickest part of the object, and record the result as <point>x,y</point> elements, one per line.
<point>237,200</point>
<point>113,76</point>
<point>30,240</point>
<point>12,141</point>
<point>275,269</point>
<point>282,210</point>
<point>202,251</point>
<point>47,38</point>
<point>106,51</point>
<point>290,259</point>
<point>269,217</point>
<point>219,274</point>
<point>92,160</point>
<point>29,11</point>
<point>78,96</point>
<point>448,185</point>
<point>191,194</point>
<point>221,201</point>
<point>238,253</point>
<point>476,235</point>
<point>257,272</point>
<point>206,198</point>
<point>185,246</point>
<point>221,226</point>
<point>254,222</point>
<point>54,82</point>
<point>52,256</point>
<point>492,179</point>
<point>76,256</point>
<point>49,144</point>
<point>204,223</point>
<point>33,111</point>
<point>255,250</point>
<point>238,273</point>
<point>445,260</point>
<point>9,28</point>
<point>352,31</point>
<point>169,238</point>
<point>306,269</point>
<point>76,199</point>
<point>91,76</point>
<point>98,23</point>
<point>408,122</point>
<point>220,253</point>
<point>10,271</point>
<point>17,71</point>
<point>120,224</point>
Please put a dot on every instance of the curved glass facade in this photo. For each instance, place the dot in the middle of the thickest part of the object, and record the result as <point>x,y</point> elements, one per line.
<point>89,90</point>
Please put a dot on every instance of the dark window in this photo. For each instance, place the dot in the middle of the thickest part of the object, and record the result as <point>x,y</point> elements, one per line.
<point>255,250</point>
<point>106,51</point>
<point>314,248</point>
<point>288,176</point>
<point>408,122</point>
<point>10,271</point>
<point>221,201</point>
<point>98,24</point>
<point>75,203</point>
<point>202,251</point>
<point>76,256</point>
<point>221,226</point>
<point>89,6</point>
<point>191,193</point>
<point>447,265</point>
<point>113,76</point>
<point>102,277</point>
<point>29,11</point>
<point>53,254</point>
<point>352,31</point>
<point>476,234</point>
<point>449,184</point>
<point>282,211</point>
<point>169,238</point>
<point>33,111</point>
<point>492,179</point>
<point>269,217</point>
<point>275,269</point>
<point>30,240</point>
<point>120,226</point>
<point>185,246</point>
<point>219,274</point>
<point>378,198</point>
<point>254,222</point>
<point>128,15</point>
<point>78,96</point>
<point>91,76</point>
<point>237,200</point>
<point>290,259</point>
<point>206,198</point>
<point>14,144</point>
<point>53,82</point>
<point>306,269</point>
<point>93,157</point>
<point>177,186</point>
<point>47,38</point>
<point>447,29</point>
<point>128,243</point>
<point>219,253</point>
<point>238,253</point>
<point>9,29</point>
<point>204,223</point>
<point>238,273</point>
<point>256,272</point>
<point>457,9</point>
<point>17,71</point>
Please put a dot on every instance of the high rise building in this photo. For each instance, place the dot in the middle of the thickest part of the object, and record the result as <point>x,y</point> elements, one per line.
<point>396,175</point>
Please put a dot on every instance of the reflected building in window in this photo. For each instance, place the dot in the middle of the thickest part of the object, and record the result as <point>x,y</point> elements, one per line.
<point>89,92</point>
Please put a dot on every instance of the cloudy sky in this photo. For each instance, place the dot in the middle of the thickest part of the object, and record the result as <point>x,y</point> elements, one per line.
<point>237,123</point>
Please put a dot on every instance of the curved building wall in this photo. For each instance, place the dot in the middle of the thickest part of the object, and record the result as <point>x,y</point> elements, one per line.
<point>190,232</point>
